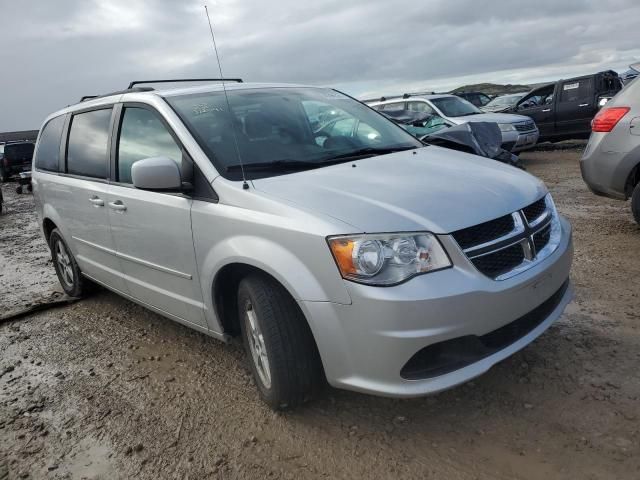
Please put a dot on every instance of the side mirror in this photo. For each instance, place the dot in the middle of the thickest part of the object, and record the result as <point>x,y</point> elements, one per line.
<point>157,173</point>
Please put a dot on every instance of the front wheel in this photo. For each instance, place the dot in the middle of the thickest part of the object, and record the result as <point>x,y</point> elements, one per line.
<point>635,203</point>
<point>72,281</point>
<point>282,353</point>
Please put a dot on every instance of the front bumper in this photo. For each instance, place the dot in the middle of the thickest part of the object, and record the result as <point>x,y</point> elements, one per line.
<point>365,345</point>
<point>518,141</point>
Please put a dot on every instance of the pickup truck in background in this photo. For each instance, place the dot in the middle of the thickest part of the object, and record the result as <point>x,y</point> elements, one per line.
<point>15,157</point>
<point>564,109</point>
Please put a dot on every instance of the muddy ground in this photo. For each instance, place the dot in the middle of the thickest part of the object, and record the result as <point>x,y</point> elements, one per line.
<point>104,389</point>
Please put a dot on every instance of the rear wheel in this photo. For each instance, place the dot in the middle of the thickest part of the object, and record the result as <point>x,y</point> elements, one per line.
<point>72,281</point>
<point>282,354</point>
<point>635,203</point>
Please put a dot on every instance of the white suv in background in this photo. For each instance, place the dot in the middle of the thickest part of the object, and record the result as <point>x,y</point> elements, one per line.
<point>518,132</point>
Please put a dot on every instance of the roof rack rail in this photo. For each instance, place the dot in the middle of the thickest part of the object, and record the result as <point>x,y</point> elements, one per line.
<point>394,97</point>
<point>138,82</point>
<point>413,94</point>
<point>119,92</point>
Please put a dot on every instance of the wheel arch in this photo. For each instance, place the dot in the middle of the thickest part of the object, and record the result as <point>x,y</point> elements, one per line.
<point>48,226</point>
<point>632,180</point>
<point>224,293</point>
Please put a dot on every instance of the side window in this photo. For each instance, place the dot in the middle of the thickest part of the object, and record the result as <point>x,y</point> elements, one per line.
<point>87,147</point>
<point>575,91</point>
<point>419,107</point>
<point>483,99</point>
<point>48,153</point>
<point>539,98</point>
<point>143,135</point>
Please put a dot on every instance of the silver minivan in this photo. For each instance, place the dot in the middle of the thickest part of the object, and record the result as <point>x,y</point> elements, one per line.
<point>335,243</point>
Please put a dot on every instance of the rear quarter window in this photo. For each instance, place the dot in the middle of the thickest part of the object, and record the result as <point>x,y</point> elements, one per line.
<point>48,152</point>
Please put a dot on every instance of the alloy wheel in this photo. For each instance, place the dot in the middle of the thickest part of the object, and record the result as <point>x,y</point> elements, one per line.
<point>65,267</point>
<point>257,346</point>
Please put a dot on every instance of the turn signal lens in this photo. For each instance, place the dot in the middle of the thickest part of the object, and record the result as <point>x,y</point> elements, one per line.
<point>387,259</point>
<point>607,118</point>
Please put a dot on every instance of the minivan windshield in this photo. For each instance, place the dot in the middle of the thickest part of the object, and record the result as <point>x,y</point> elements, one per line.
<point>285,129</point>
<point>455,106</point>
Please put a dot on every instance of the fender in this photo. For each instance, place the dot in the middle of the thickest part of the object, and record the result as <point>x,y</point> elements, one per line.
<point>301,281</point>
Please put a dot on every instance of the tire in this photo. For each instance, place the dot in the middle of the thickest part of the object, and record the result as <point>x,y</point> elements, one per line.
<point>273,327</point>
<point>19,189</point>
<point>635,203</point>
<point>3,176</point>
<point>69,275</point>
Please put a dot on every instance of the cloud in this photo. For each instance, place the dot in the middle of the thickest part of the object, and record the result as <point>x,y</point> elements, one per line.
<point>59,51</point>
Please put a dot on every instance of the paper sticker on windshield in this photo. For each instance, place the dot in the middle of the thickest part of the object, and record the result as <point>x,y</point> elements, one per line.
<point>571,86</point>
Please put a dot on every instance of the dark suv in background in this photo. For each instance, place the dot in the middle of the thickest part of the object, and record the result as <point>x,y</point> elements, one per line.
<point>15,157</point>
<point>564,109</point>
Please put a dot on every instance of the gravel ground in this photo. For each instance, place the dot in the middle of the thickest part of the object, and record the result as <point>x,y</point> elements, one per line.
<point>105,389</point>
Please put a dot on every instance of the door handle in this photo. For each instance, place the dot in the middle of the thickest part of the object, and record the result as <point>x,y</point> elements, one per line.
<point>97,201</point>
<point>583,105</point>
<point>546,110</point>
<point>118,205</point>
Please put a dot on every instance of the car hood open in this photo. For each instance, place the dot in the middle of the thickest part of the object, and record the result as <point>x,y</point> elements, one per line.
<point>492,117</point>
<point>432,188</point>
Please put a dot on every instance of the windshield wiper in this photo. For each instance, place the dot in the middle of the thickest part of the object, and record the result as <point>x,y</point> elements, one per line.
<point>275,165</point>
<point>367,152</point>
<point>286,164</point>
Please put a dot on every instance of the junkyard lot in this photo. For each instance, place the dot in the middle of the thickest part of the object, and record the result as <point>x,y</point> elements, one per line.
<point>106,389</point>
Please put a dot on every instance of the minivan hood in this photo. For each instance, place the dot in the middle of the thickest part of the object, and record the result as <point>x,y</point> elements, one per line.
<point>431,188</point>
<point>492,117</point>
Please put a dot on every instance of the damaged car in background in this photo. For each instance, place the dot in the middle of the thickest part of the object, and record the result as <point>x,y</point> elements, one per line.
<point>353,254</point>
<point>518,132</point>
<point>479,138</point>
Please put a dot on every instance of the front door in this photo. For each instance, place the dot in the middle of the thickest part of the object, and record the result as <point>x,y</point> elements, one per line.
<point>539,105</point>
<point>152,230</point>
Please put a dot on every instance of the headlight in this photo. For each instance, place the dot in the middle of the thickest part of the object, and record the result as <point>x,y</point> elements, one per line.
<point>389,258</point>
<point>507,127</point>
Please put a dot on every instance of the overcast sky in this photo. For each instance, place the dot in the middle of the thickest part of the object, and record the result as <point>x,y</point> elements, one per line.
<point>53,52</point>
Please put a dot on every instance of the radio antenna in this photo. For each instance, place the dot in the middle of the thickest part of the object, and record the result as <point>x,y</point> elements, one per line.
<point>245,185</point>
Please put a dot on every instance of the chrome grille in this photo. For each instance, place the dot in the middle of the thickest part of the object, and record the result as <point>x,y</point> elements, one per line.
<point>525,126</point>
<point>502,248</point>
<point>484,232</point>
